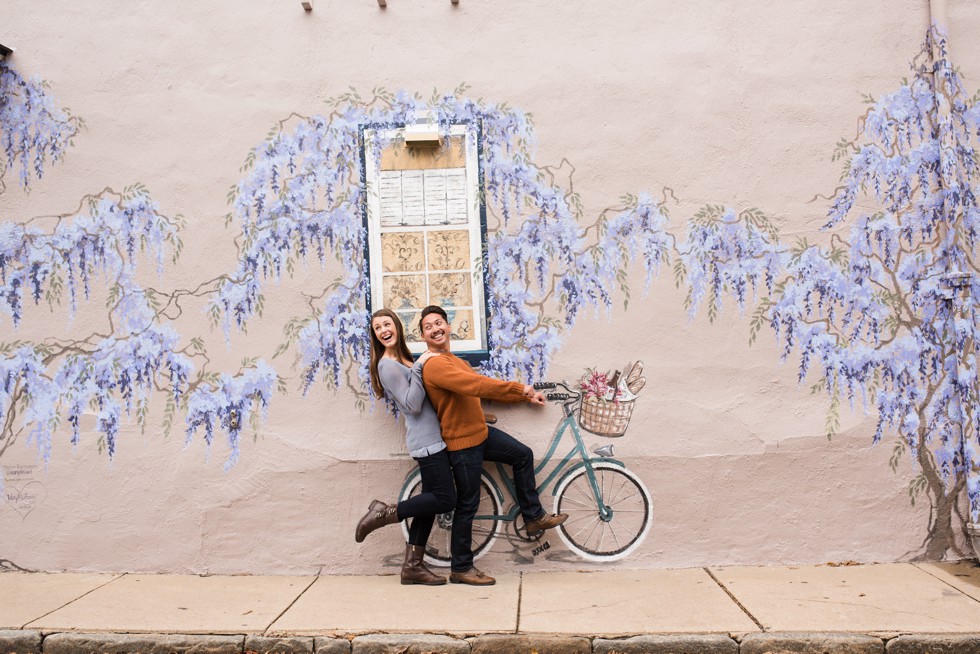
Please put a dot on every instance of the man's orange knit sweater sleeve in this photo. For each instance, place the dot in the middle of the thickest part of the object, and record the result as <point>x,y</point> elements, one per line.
<point>455,391</point>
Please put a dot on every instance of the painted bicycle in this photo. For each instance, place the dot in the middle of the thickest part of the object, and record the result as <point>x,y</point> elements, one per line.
<point>609,509</point>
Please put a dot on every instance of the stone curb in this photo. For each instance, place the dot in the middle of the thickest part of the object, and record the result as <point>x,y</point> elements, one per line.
<point>517,644</point>
<point>331,645</point>
<point>669,644</point>
<point>73,643</point>
<point>20,642</point>
<point>965,644</point>
<point>264,645</point>
<point>408,644</point>
<point>810,643</point>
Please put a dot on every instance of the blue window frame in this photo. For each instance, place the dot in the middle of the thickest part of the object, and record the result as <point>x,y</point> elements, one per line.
<point>425,219</point>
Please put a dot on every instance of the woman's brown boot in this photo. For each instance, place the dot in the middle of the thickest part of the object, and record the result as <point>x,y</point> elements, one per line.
<point>414,570</point>
<point>379,514</point>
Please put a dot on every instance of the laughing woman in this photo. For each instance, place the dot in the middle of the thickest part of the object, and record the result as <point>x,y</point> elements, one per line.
<point>393,372</point>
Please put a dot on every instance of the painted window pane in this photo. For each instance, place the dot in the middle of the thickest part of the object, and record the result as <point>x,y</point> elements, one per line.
<point>450,290</point>
<point>404,291</point>
<point>461,323</point>
<point>402,252</point>
<point>449,250</point>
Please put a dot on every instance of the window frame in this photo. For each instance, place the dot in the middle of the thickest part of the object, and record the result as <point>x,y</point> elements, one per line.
<point>476,227</point>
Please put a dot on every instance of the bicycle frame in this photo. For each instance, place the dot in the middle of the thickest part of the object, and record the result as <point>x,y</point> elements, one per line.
<point>566,466</point>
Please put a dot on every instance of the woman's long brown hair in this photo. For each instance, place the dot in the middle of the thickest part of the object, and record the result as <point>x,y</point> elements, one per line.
<point>378,350</point>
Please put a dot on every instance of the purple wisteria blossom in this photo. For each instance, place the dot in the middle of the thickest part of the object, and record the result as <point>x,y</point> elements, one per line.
<point>104,375</point>
<point>231,402</point>
<point>33,128</point>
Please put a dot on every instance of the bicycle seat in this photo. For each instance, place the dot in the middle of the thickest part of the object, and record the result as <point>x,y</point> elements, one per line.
<point>490,418</point>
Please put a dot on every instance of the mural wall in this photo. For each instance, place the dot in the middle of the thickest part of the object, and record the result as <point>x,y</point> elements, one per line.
<point>779,218</point>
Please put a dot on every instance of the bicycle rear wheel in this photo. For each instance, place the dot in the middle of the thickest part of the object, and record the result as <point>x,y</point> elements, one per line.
<point>485,526</point>
<point>587,532</point>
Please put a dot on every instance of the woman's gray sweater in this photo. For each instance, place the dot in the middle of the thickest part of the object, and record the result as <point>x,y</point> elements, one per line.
<point>404,386</point>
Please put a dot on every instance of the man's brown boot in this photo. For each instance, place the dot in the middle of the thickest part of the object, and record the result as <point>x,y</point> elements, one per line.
<point>379,514</point>
<point>414,570</point>
<point>545,522</point>
<point>471,577</point>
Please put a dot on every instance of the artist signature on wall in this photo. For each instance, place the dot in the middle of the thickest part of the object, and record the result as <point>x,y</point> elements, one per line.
<point>21,491</point>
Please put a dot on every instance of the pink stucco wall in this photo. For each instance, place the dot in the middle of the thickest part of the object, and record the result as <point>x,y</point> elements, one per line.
<point>734,103</point>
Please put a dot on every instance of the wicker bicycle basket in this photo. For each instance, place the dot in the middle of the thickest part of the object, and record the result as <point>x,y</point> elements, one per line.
<point>605,417</point>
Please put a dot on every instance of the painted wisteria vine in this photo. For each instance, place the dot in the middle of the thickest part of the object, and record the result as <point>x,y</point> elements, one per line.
<point>34,130</point>
<point>885,314</point>
<point>110,374</point>
<point>887,311</point>
<point>907,304</point>
<point>303,196</point>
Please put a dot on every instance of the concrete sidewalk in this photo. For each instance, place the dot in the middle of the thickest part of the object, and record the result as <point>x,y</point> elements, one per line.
<point>863,608</point>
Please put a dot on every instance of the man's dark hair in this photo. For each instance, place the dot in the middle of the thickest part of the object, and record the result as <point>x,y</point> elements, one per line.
<point>432,308</point>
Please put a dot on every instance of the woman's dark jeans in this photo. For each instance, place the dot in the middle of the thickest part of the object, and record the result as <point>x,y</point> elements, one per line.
<point>467,465</point>
<point>438,496</point>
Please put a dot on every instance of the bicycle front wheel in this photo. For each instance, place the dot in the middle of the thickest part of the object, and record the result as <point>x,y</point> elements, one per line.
<point>627,520</point>
<point>485,525</point>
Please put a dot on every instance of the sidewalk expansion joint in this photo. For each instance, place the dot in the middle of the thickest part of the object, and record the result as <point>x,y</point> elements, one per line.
<point>520,591</point>
<point>295,599</point>
<point>116,578</point>
<point>945,581</point>
<point>735,599</point>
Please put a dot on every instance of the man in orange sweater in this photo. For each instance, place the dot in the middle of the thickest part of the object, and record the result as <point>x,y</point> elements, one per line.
<point>455,391</point>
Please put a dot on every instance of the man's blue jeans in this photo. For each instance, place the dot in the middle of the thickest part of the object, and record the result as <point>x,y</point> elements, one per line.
<point>467,465</point>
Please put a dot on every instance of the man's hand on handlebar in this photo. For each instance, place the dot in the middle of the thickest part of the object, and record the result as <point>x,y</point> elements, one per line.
<point>533,396</point>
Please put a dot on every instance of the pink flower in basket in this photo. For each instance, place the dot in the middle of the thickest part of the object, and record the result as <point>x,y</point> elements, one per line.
<point>598,385</point>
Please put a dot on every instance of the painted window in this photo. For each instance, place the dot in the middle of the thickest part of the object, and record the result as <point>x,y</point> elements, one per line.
<point>426,232</point>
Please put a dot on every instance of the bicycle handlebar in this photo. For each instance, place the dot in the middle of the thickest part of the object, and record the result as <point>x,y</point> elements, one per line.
<point>569,397</point>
